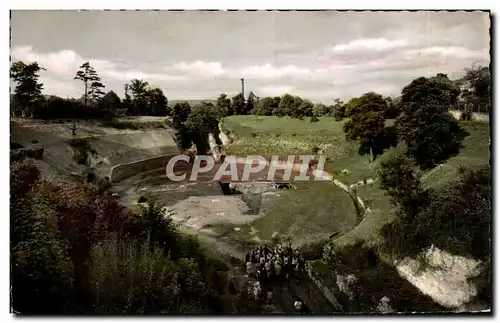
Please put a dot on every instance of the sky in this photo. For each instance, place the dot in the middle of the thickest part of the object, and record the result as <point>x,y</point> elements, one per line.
<point>199,55</point>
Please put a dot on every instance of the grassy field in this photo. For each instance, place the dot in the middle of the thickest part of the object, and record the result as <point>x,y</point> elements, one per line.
<point>304,215</point>
<point>285,136</point>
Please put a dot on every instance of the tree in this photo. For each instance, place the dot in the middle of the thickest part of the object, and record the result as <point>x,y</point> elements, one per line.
<point>431,133</point>
<point>181,111</point>
<point>350,106</point>
<point>285,106</point>
<point>320,110</point>
<point>238,104</point>
<point>92,82</point>
<point>250,105</point>
<point>394,107</point>
<point>223,106</point>
<point>200,122</point>
<point>437,90</point>
<point>127,102</point>
<point>139,90</point>
<point>157,102</point>
<point>477,89</point>
<point>305,109</point>
<point>266,106</point>
<point>110,103</point>
<point>28,90</point>
<point>367,123</point>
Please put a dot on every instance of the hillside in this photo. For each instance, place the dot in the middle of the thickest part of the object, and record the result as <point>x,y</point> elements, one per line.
<point>110,145</point>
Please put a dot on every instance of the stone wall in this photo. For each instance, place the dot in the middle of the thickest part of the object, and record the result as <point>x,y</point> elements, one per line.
<point>327,291</point>
<point>126,170</point>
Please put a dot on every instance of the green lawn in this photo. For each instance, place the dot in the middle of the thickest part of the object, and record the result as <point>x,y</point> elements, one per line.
<point>285,136</point>
<point>304,215</point>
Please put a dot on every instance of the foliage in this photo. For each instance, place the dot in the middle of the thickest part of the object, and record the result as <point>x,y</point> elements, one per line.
<point>350,106</point>
<point>394,107</point>
<point>110,104</point>
<point>305,109</point>
<point>458,218</point>
<point>92,82</point>
<point>431,133</point>
<point>237,105</point>
<point>250,104</point>
<point>139,103</point>
<point>367,123</point>
<point>181,111</point>
<point>40,267</point>
<point>157,103</point>
<point>28,90</point>
<point>200,122</point>
<point>75,249</point>
<point>479,84</point>
<point>399,179</point>
<point>266,106</point>
<point>320,110</point>
<point>454,217</point>
<point>131,278</point>
<point>82,149</point>
<point>438,91</point>
<point>222,107</point>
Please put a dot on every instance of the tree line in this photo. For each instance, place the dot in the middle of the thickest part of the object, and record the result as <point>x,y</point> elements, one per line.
<point>142,99</point>
<point>28,101</point>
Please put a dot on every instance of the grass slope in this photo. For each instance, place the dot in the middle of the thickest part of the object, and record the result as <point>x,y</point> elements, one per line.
<point>475,151</point>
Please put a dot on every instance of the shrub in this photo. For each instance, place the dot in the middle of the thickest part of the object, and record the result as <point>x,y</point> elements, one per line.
<point>314,118</point>
<point>313,250</point>
<point>81,150</point>
<point>456,218</point>
<point>131,278</point>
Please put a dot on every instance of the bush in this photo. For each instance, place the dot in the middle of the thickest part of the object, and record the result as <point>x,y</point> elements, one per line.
<point>314,118</point>
<point>131,278</point>
<point>313,250</point>
<point>456,218</point>
<point>81,150</point>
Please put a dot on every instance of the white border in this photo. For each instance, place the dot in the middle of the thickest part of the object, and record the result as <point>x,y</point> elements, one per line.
<point>186,4</point>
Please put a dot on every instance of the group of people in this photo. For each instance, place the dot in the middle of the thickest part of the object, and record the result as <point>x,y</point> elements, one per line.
<point>268,264</point>
<point>273,265</point>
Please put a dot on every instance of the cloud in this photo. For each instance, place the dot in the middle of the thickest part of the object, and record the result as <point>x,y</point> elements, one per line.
<point>269,71</point>
<point>274,90</point>
<point>198,68</point>
<point>371,44</point>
